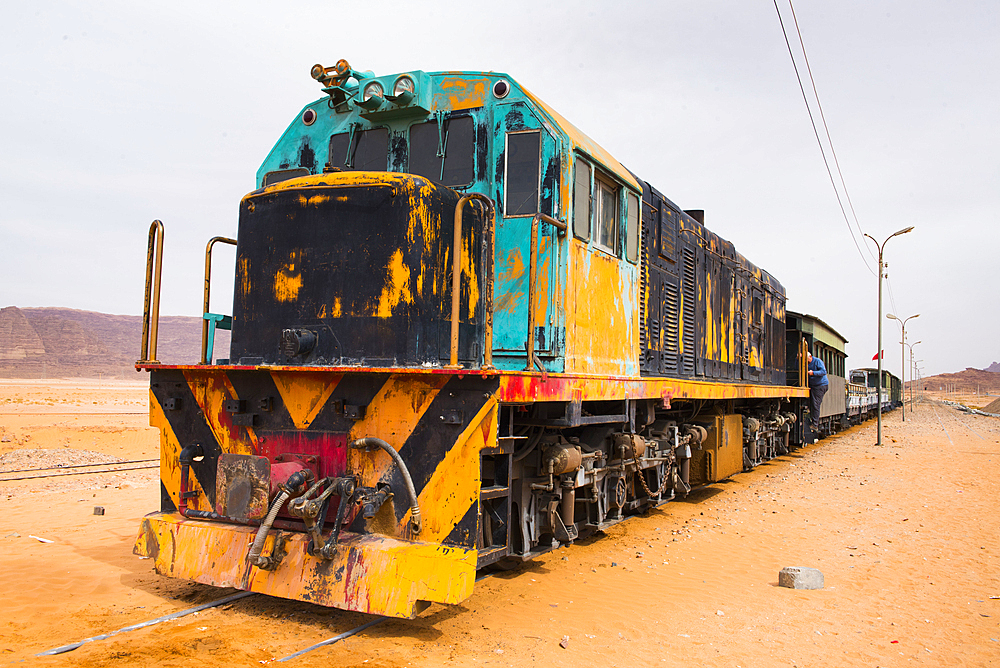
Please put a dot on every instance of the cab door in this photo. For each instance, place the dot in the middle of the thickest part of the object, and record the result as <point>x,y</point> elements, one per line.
<point>527,168</point>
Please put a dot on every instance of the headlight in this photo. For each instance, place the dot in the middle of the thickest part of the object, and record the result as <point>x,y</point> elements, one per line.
<point>374,89</point>
<point>403,85</point>
<point>500,89</point>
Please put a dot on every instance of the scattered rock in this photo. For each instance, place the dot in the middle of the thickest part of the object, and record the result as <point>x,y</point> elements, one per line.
<point>800,577</point>
<point>564,643</point>
<point>98,510</point>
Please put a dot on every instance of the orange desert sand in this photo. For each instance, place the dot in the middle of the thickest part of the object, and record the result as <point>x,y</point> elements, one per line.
<point>906,535</point>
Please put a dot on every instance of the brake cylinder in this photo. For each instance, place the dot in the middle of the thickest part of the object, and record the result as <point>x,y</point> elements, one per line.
<point>562,458</point>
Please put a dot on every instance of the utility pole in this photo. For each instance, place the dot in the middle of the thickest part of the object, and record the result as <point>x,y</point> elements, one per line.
<point>881,272</point>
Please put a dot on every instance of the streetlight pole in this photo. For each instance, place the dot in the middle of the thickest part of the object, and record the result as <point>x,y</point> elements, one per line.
<point>881,266</point>
<point>902,354</point>
<point>913,374</point>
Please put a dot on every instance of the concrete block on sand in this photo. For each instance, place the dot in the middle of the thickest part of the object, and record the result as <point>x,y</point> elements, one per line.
<point>799,577</point>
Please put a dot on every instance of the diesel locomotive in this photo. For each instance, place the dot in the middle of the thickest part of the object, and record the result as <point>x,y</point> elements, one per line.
<point>463,334</point>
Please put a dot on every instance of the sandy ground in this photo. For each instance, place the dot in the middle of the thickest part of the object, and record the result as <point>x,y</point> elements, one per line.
<point>906,535</point>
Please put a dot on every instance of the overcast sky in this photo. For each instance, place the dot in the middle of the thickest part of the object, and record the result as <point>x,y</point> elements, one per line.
<point>116,113</point>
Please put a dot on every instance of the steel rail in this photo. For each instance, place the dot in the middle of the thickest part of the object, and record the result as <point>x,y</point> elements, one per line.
<point>64,475</point>
<point>141,625</point>
<point>962,422</point>
<point>80,466</point>
<point>934,408</point>
<point>348,634</point>
<point>12,414</point>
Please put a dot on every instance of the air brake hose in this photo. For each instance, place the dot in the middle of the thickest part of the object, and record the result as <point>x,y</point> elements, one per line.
<point>292,486</point>
<point>370,443</point>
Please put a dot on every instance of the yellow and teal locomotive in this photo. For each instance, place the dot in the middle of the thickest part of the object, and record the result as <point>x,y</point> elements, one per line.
<point>463,334</point>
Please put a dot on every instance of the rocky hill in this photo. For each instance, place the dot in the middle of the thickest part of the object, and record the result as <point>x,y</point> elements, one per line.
<point>67,343</point>
<point>993,368</point>
<point>969,380</point>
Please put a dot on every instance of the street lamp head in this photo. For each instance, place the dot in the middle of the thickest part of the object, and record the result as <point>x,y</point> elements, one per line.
<point>891,316</point>
<point>914,316</point>
<point>903,231</point>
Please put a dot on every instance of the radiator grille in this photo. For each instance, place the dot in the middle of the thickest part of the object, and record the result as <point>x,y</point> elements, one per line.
<point>690,293</point>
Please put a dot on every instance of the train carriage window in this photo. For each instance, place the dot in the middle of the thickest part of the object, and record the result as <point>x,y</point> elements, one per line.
<point>581,200</point>
<point>521,180</point>
<point>370,151</point>
<point>632,228</point>
<point>445,154</point>
<point>606,215</point>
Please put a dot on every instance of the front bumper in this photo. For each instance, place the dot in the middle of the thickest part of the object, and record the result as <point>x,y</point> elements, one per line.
<point>370,573</point>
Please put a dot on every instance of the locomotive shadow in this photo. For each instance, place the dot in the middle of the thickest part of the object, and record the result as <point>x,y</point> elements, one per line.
<point>697,495</point>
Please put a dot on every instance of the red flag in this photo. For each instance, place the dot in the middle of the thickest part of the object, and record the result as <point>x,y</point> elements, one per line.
<point>876,356</point>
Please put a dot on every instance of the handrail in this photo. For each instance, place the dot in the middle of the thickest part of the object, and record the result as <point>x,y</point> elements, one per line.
<point>208,288</point>
<point>151,312</point>
<point>456,279</point>
<point>803,363</point>
<point>533,284</point>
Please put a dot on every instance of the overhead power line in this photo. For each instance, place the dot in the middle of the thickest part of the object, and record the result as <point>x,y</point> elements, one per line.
<point>819,141</point>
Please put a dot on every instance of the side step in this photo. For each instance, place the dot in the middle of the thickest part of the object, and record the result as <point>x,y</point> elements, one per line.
<point>494,501</point>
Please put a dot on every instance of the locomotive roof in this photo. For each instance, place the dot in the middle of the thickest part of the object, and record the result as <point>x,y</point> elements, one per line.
<point>831,330</point>
<point>450,93</point>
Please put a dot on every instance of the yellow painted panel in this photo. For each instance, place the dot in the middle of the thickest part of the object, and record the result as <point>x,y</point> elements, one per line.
<point>288,280</point>
<point>604,318</point>
<point>397,286</point>
<point>460,93</point>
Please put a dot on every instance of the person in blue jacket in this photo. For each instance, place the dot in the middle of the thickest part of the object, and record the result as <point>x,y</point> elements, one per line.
<point>818,385</point>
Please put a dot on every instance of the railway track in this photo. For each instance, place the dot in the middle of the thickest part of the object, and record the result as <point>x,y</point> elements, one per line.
<point>92,469</point>
<point>77,413</point>
<point>69,647</point>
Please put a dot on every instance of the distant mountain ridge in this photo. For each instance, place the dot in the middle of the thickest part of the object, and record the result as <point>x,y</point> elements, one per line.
<point>995,367</point>
<point>69,343</point>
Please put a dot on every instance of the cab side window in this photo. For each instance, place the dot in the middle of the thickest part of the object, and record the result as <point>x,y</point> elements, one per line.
<point>603,210</point>
<point>522,173</point>
<point>632,228</point>
<point>606,215</point>
<point>581,200</point>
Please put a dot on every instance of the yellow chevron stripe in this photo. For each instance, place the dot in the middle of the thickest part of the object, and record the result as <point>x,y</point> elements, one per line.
<point>455,484</point>
<point>392,416</point>
<point>170,448</point>
<point>250,430</point>
<point>305,394</point>
<point>211,390</point>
